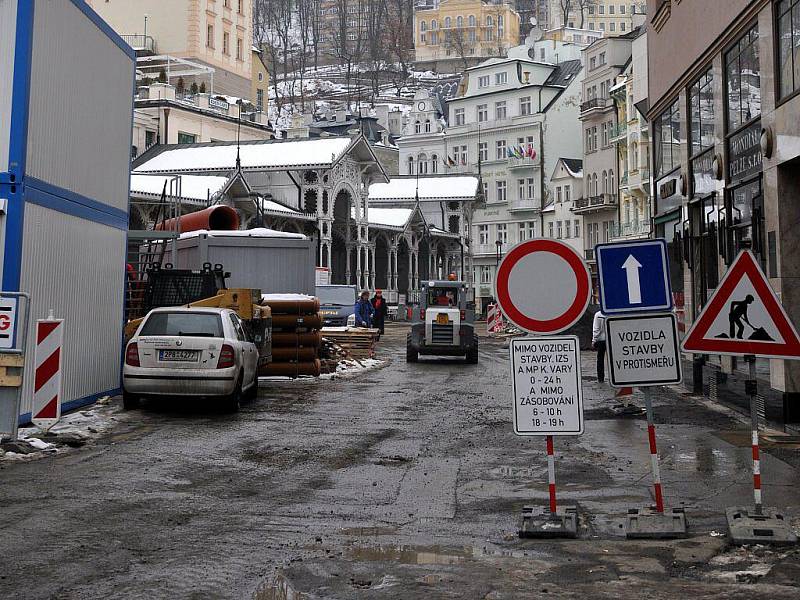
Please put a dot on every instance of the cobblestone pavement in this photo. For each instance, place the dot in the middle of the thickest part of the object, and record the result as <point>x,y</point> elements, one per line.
<point>402,482</point>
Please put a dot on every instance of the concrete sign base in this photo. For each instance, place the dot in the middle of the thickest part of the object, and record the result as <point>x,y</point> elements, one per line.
<point>539,522</point>
<point>648,523</point>
<point>745,526</point>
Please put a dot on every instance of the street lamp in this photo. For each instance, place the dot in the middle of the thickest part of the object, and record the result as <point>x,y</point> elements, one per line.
<point>145,28</point>
<point>499,255</point>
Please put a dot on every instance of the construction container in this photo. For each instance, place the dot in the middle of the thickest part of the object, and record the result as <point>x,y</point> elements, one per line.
<point>273,261</point>
<point>66,109</point>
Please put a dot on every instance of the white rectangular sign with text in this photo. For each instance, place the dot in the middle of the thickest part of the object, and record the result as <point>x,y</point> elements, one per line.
<point>643,350</point>
<point>546,381</point>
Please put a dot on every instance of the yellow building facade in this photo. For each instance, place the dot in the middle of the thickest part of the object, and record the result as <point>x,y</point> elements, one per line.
<point>464,30</point>
<point>260,82</point>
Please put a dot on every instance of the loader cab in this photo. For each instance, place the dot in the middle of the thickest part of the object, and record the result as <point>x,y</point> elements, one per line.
<point>443,323</point>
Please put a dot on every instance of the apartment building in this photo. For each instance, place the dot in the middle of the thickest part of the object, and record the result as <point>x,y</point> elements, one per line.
<point>259,92</point>
<point>605,60</point>
<point>559,221</point>
<point>464,31</point>
<point>216,33</point>
<point>611,17</point>
<point>723,116</point>
<point>631,136</point>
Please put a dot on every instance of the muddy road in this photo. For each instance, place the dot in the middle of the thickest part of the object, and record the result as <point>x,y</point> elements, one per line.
<point>401,482</point>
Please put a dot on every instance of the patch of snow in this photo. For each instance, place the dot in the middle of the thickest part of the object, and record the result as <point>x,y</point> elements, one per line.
<point>393,217</point>
<point>430,188</point>
<point>270,205</point>
<point>350,367</point>
<point>196,187</point>
<point>258,232</point>
<point>286,297</point>
<point>262,155</point>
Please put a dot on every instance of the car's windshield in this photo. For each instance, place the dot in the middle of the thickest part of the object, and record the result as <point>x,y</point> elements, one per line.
<point>343,296</point>
<point>439,296</point>
<point>194,324</point>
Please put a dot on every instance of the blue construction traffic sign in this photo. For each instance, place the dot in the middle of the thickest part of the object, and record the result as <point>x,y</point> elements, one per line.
<point>633,276</point>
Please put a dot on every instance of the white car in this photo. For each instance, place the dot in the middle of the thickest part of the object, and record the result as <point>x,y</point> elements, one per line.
<point>191,352</point>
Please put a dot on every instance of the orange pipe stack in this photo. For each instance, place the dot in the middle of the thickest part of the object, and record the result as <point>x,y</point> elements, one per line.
<point>296,336</point>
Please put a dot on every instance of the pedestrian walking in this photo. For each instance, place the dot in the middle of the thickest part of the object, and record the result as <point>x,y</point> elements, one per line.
<point>379,306</point>
<point>599,343</point>
<point>363,311</point>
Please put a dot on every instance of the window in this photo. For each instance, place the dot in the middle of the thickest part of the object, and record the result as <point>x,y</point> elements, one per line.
<point>611,9</point>
<point>550,230</point>
<point>500,110</point>
<point>463,155</point>
<point>602,25</point>
<point>500,150</point>
<point>422,164</point>
<point>459,116</point>
<point>226,41</point>
<point>788,12</point>
<point>567,230</point>
<point>434,164</point>
<point>149,138</point>
<point>260,100</point>
<point>226,3</point>
<point>594,137</point>
<point>521,189</point>
<point>186,138</point>
<point>604,137</point>
<point>471,20</point>
<point>483,113</point>
<point>667,130</point>
<point>427,125</point>
<point>501,190</point>
<point>447,22</point>
<point>605,182</point>
<point>240,9</point>
<point>351,37</point>
<point>531,188</point>
<point>567,193</point>
<point>602,58</point>
<point>483,81</point>
<point>486,274</point>
<point>612,26</point>
<point>525,105</point>
<point>559,198</point>
<point>593,62</point>
<point>577,228</point>
<point>744,80</point>
<point>260,76</point>
<point>460,22</point>
<point>622,26</point>
<point>485,190</point>
<point>701,113</point>
<point>483,234</point>
<point>601,9</point>
<point>239,49</point>
<point>489,21</point>
<point>210,36</point>
<point>502,231</point>
<point>417,127</point>
<point>410,165</point>
<point>527,231</point>
<point>423,26</point>
<point>483,151</point>
<point>501,78</point>
<point>622,9</point>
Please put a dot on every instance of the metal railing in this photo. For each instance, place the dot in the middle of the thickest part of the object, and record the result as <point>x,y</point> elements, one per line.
<point>140,42</point>
<point>632,228</point>
<point>598,201</point>
<point>594,103</point>
<point>619,130</point>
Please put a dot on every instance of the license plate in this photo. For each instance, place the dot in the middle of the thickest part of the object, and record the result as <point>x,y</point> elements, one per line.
<point>442,319</point>
<point>179,355</point>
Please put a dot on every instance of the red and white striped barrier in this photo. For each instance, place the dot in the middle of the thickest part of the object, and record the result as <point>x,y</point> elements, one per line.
<point>494,319</point>
<point>756,472</point>
<point>48,360</point>
<point>551,474</point>
<point>651,434</point>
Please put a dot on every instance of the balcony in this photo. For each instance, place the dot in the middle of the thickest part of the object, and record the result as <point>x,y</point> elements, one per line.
<point>598,104</point>
<point>592,204</point>
<point>143,45</point>
<point>523,204</point>
<point>633,229</point>
<point>619,132</point>
<point>522,163</point>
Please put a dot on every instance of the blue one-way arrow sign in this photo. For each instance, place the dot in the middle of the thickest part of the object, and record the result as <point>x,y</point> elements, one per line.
<point>634,276</point>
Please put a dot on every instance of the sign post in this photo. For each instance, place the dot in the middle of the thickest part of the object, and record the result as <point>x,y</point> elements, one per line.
<point>13,331</point>
<point>546,370</point>
<point>643,351</point>
<point>744,317</point>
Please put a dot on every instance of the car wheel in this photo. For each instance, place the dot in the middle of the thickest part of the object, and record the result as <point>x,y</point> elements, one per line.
<point>412,355</point>
<point>232,402</point>
<point>252,393</point>
<point>129,401</point>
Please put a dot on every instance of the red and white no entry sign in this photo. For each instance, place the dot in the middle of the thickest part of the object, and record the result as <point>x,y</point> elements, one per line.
<point>543,286</point>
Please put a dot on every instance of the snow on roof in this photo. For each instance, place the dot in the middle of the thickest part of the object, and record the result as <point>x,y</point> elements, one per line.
<point>285,298</point>
<point>196,187</point>
<point>393,217</point>
<point>430,188</point>
<point>258,232</point>
<point>270,205</point>
<point>264,155</point>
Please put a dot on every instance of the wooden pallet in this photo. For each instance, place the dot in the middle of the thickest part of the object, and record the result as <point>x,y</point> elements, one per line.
<point>355,341</point>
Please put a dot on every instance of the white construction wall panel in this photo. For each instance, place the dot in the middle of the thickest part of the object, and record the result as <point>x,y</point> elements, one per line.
<point>79,131</point>
<point>77,269</point>
<point>8,29</point>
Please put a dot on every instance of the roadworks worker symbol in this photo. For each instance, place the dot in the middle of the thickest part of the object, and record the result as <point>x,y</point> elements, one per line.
<point>744,316</point>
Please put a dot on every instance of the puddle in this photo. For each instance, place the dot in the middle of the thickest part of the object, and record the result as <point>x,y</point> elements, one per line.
<point>412,555</point>
<point>278,588</point>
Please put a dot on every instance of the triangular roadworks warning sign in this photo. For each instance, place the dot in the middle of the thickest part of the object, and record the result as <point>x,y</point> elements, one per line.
<point>744,316</point>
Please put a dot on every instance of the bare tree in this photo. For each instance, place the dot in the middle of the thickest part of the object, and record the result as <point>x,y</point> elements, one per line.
<point>566,8</point>
<point>461,41</point>
<point>272,24</point>
<point>399,39</point>
<point>583,7</point>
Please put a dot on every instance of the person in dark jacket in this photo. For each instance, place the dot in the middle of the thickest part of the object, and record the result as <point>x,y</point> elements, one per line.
<point>364,311</point>
<point>379,304</point>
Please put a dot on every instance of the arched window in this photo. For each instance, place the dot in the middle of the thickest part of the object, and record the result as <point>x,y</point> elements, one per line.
<point>410,165</point>
<point>611,182</point>
<point>459,21</point>
<point>471,20</point>
<point>489,21</point>
<point>422,164</point>
<point>434,164</point>
<point>417,127</point>
<point>427,125</point>
<point>434,24</point>
<point>499,20</point>
<point>594,184</point>
<point>605,182</point>
<point>423,26</point>
<point>447,22</point>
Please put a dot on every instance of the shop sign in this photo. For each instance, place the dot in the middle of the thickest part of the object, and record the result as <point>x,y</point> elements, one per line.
<point>744,152</point>
<point>668,194</point>
<point>703,174</point>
